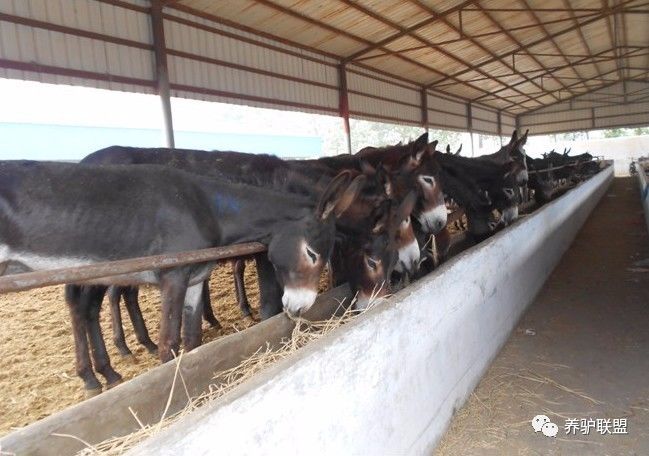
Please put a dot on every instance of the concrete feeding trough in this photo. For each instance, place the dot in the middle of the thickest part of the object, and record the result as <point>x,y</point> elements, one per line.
<point>389,381</point>
<point>643,183</point>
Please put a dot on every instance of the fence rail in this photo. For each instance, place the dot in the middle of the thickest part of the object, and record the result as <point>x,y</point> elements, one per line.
<point>92,272</point>
<point>81,274</point>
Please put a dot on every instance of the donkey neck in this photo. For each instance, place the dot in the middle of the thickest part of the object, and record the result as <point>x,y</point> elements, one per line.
<point>247,213</point>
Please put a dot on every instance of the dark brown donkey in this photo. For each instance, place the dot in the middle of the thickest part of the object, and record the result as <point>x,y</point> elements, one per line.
<point>358,225</point>
<point>54,215</point>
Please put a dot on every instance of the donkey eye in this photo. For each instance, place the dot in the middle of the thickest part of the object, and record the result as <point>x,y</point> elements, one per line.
<point>312,255</point>
<point>372,263</point>
<point>405,221</point>
<point>429,180</point>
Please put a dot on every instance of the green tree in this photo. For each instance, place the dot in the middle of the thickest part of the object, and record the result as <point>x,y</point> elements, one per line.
<point>614,133</point>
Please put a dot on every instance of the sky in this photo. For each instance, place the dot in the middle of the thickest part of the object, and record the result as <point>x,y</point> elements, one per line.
<point>96,118</point>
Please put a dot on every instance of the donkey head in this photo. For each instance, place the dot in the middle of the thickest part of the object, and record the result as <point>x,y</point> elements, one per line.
<point>402,235</point>
<point>300,248</point>
<point>516,148</point>
<point>430,210</point>
<point>396,208</point>
<point>507,194</point>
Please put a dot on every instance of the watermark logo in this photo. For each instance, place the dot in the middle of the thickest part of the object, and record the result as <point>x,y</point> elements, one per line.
<point>583,426</point>
<point>542,423</point>
<point>603,426</point>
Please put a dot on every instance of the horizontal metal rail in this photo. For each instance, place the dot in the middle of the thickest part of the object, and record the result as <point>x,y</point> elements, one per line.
<point>80,274</point>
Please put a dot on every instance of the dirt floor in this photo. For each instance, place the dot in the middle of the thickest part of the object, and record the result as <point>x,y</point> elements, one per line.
<point>37,374</point>
<point>581,351</point>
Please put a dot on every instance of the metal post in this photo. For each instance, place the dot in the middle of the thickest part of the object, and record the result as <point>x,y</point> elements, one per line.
<point>500,128</point>
<point>162,73</point>
<point>469,122</point>
<point>343,104</point>
<point>424,108</point>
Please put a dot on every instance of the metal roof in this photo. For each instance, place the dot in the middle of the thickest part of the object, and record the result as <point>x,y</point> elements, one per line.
<point>477,65</point>
<point>510,55</point>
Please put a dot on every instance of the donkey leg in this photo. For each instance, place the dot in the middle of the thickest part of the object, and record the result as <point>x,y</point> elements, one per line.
<point>94,295</point>
<point>208,312</point>
<point>135,313</point>
<point>114,293</point>
<point>82,355</point>
<point>192,331</point>
<point>270,291</point>
<point>173,287</point>
<point>238,268</point>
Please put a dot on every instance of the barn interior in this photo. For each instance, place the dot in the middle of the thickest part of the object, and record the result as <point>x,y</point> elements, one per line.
<point>483,67</point>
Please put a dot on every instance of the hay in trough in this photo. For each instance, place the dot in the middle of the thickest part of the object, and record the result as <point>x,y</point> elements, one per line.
<point>305,331</point>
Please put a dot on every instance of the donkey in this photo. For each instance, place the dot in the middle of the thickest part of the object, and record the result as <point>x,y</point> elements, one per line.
<point>54,215</point>
<point>419,160</point>
<point>457,152</point>
<point>514,151</point>
<point>481,186</point>
<point>290,176</point>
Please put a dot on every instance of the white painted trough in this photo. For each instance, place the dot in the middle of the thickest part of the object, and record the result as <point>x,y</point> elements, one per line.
<point>390,381</point>
<point>643,184</point>
<point>387,382</point>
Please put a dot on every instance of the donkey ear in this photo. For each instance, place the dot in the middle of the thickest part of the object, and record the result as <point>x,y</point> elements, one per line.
<point>349,195</point>
<point>383,178</point>
<point>514,138</point>
<point>421,142</point>
<point>448,148</point>
<point>381,221</point>
<point>330,195</point>
<point>407,205</point>
<point>457,152</point>
<point>367,168</point>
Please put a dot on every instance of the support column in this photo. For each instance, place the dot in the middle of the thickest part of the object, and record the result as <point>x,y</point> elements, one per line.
<point>469,123</point>
<point>343,104</point>
<point>424,108</point>
<point>500,128</point>
<point>161,71</point>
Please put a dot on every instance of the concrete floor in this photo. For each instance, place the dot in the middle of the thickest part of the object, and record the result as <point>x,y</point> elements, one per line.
<point>581,351</point>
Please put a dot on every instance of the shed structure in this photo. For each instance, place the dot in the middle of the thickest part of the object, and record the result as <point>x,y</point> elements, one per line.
<point>482,66</point>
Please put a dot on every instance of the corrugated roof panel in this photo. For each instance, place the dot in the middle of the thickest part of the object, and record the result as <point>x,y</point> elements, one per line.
<point>402,12</point>
<point>445,121</point>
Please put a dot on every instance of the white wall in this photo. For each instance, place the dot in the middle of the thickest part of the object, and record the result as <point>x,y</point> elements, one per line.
<point>644,193</point>
<point>390,381</point>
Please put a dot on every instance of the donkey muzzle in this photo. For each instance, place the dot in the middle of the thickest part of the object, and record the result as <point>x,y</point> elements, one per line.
<point>298,300</point>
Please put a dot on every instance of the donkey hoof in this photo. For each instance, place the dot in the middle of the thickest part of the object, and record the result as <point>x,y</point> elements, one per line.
<point>88,393</point>
<point>114,383</point>
<point>152,349</point>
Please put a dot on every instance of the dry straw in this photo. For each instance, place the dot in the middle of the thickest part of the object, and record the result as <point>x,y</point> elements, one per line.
<point>305,331</point>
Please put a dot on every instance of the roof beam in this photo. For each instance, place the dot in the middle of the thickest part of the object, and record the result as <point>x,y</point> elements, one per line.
<point>518,43</point>
<point>604,13</point>
<point>476,36</point>
<point>407,31</point>
<point>604,86</point>
<point>457,59</point>
<point>337,31</point>
<point>583,40</point>
<point>584,61</point>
